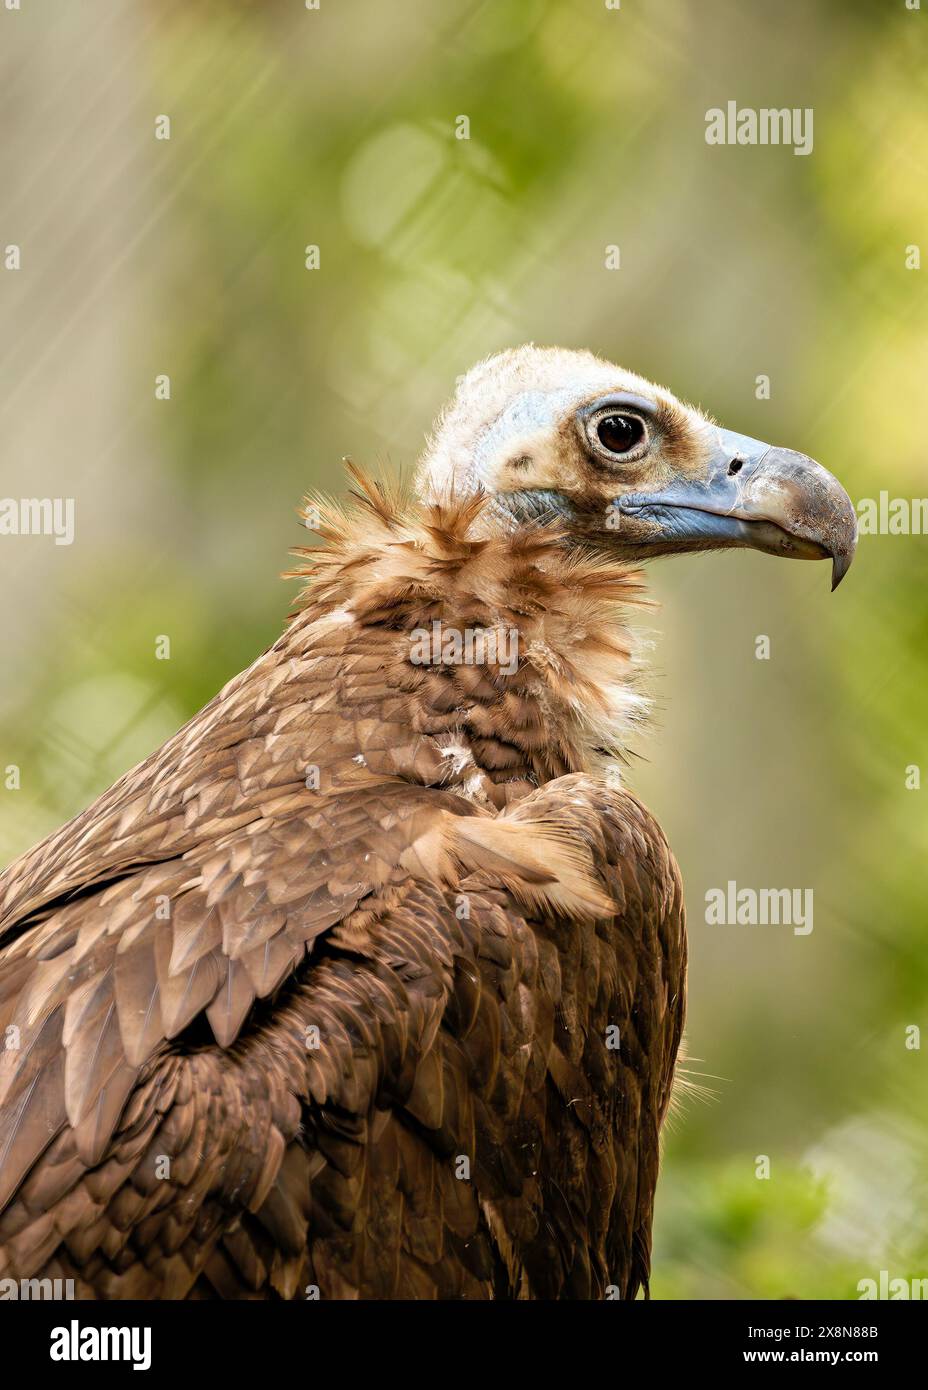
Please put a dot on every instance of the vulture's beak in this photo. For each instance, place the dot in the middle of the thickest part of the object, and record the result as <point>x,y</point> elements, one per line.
<point>751,494</point>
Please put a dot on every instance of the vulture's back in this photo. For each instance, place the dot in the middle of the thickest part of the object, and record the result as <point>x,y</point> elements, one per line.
<point>324,996</point>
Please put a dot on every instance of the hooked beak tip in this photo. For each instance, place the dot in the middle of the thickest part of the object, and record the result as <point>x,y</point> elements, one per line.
<point>840,564</point>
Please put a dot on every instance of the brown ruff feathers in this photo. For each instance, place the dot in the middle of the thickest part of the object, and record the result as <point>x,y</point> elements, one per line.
<point>165,956</point>
<point>391,561</point>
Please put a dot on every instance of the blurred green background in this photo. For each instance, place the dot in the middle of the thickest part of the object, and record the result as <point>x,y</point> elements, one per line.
<point>336,128</point>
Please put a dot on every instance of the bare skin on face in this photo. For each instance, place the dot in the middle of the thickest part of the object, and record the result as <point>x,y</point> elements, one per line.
<point>551,432</point>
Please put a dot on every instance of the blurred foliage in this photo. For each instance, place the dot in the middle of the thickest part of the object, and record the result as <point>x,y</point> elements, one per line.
<point>335,128</point>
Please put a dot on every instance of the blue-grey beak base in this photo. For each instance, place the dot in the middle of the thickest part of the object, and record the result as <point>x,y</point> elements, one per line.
<point>752,494</point>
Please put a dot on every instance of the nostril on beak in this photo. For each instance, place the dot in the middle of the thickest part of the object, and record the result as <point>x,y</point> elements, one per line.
<point>735,466</point>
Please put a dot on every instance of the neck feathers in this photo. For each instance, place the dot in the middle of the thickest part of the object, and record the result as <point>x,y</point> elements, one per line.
<point>510,643</point>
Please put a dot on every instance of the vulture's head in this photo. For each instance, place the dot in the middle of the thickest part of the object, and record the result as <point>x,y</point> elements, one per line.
<point>552,433</point>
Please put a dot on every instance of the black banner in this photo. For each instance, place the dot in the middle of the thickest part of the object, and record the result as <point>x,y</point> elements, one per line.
<point>253,1339</point>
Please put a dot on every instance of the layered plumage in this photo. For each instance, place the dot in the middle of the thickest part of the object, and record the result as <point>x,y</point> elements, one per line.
<point>321,849</point>
<point>370,982</point>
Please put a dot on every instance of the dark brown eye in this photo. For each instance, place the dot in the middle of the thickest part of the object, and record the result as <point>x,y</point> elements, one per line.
<point>619,433</point>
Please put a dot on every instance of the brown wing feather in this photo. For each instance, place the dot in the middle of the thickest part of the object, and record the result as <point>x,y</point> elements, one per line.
<point>282,1009</point>
<point>440,1039</point>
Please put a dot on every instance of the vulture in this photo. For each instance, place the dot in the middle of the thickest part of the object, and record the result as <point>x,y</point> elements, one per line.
<point>370,982</point>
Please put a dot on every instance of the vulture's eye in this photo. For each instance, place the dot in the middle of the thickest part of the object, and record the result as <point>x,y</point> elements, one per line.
<point>620,433</point>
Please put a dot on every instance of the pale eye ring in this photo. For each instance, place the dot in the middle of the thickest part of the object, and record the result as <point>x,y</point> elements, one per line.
<point>617,434</point>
